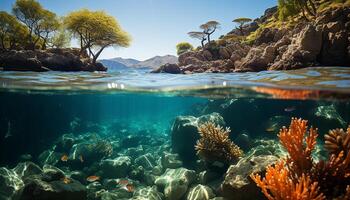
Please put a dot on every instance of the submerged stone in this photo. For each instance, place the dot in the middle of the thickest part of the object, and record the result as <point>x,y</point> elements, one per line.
<point>116,168</point>
<point>170,160</point>
<point>26,169</point>
<point>175,182</point>
<point>146,161</point>
<point>148,193</point>
<point>10,183</point>
<point>200,192</point>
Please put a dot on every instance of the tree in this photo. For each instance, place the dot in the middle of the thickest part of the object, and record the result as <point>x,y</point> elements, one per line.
<point>40,22</point>
<point>60,39</point>
<point>209,28</point>
<point>198,35</point>
<point>96,31</point>
<point>241,22</point>
<point>183,47</point>
<point>287,8</point>
<point>11,31</point>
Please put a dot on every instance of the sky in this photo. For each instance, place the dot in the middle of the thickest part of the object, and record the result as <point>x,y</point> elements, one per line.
<point>156,26</point>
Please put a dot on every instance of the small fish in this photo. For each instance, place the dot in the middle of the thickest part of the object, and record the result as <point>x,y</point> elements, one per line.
<point>290,109</point>
<point>270,129</point>
<point>128,187</point>
<point>81,158</point>
<point>123,182</point>
<point>66,180</point>
<point>64,158</point>
<point>92,178</point>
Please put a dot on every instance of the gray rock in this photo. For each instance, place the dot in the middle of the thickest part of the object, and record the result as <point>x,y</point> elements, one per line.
<point>26,169</point>
<point>175,182</point>
<point>148,193</point>
<point>200,192</point>
<point>146,161</point>
<point>10,183</point>
<point>168,68</point>
<point>170,160</point>
<point>116,168</point>
<point>238,184</point>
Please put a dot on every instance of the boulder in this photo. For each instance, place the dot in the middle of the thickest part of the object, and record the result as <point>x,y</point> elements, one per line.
<point>148,193</point>
<point>147,161</point>
<point>170,160</point>
<point>26,169</point>
<point>201,192</point>
<point>238,184</point>
<point>168,68</point>
<point>10,183</point>
<point>36,188</point>
<point>175,182</point>
<point>116,168</point>
<point>184,134</point>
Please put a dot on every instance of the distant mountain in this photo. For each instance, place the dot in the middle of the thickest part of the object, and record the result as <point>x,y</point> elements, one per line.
<point>157,61</point>
<point>116,64</point>
<point>113,65</point>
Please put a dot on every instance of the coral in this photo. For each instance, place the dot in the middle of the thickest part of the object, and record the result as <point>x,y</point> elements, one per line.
<point>299,174</point>
<point>277,185</point>
<point>299,143</point>
<point>215,145</point>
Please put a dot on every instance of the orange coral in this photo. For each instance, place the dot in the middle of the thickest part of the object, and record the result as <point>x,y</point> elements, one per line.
<point>299,143</point>
<point>215,144</point>
<point>277,185</point>
<point>299,175</point>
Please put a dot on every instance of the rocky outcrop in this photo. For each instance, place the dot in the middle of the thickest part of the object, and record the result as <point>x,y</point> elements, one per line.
<point>324,41</point>
<point>46,60</point>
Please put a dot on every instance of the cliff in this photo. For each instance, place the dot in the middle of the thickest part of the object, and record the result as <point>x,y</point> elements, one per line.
<point>46,60</point>
<point>323,41</point>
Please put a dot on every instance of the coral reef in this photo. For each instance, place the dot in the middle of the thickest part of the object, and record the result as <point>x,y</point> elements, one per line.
<point>215,145</point>
<point>298,176</point>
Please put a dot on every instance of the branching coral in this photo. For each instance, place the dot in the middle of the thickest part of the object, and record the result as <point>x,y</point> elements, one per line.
<point>299,175</point>
<point>277,185</point>
<point>299,143</point>
<point>215,144</point>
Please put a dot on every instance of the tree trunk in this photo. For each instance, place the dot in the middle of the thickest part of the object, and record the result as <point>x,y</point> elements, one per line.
<point>98,54</point>
<point>202,42</point>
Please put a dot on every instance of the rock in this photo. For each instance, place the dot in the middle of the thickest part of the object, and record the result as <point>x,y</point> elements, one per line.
<point>238,184</point>
<point>175,182</point>
<point>170,160</point>
<point>36,188</point>
<point>148,193</point>
<point>168,68</point>
<point>303,50</point>
<point>116,195</point>
<point>206,176</point>
<point>200,192</point>
<point>184,134</point>
<point>45,60</point>
<point>146,161</point>
<point>49,157</point>
<point>26,169</point>
<point>116,168</point>
<point>10,183</point>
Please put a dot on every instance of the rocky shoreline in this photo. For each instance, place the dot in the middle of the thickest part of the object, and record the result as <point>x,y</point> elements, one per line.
<point>48,60</point>
<point>325,41</point>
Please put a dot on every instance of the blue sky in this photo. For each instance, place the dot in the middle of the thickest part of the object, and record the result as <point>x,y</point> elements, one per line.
<point>156,26</point>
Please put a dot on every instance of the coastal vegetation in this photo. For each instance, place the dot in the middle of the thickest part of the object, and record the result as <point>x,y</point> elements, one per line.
<point>31,27</point>
<point>183,47</point>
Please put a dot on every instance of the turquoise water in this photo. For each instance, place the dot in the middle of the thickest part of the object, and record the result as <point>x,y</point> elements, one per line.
<point>147,125</point>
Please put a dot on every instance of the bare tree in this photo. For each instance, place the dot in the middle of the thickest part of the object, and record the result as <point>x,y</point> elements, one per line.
<point>209,28</point>
<point>241,22</point>
<point>198,35</point>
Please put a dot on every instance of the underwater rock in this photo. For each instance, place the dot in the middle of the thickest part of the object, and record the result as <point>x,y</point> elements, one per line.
<point>175,182</point>
<point>201,192</point>
<point>51,173</point>
<point>131,141</point>
<point>184,134</point>
<point>137,173</point>
<point>207,176</point>
<point>158,170</point>
<point>146,161</point>
<point>49,157</point>
<point>329,116</point>
<point>65,143</point>
<point>26,169</point>
<point>79,176</point>
<point>37,188</point>
<point>238,184</point>
<point>92,151</point>
<point>116,168</point>
<point>115,195</point>
<point>10,183</point>
<point>148,193</point>
<point>170,160</point>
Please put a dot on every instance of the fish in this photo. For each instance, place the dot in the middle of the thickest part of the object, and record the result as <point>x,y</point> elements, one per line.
<point>126,185</point>
<point>64,158</point>
<point>271,129</point>
<point>66,180</point>
<point>93,178</point>
<point>81,158</point>
<point>290,109</point>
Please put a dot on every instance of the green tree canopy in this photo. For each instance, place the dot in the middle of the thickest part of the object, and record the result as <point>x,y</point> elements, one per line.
<point>241,22</point>
<point>183,47</point>
<point>40,22</point>
<point>96,31</point>
<point>11,31</point>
